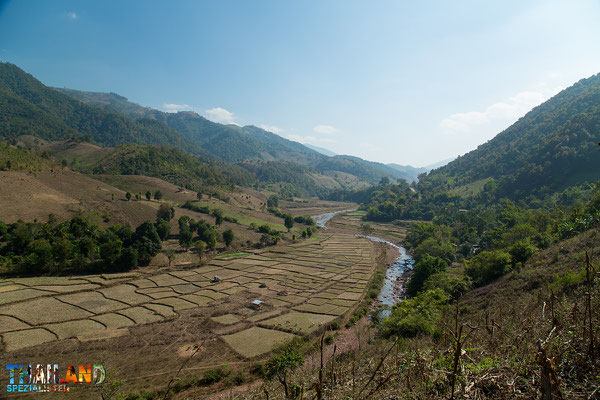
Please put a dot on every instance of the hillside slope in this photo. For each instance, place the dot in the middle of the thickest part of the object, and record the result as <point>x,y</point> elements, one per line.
<point>552,147</point>
<point>29,107</point>
<point>228,142</point>
<point>235,144</point>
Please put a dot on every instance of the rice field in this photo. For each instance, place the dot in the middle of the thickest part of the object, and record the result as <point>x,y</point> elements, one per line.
<point>301,287</point>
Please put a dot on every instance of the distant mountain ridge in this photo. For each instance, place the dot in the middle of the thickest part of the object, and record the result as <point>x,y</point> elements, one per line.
<point>235,144</point>
<point>321,150</point>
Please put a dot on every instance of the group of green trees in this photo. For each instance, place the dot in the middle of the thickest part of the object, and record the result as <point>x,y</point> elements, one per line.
<point>207,235</point>
<point>491,240</point>
<point>75,246</point>
<point>138,196</point>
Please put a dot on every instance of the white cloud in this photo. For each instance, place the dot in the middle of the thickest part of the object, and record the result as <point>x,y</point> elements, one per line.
<point>325,129</point>
<point>510,110</point>
<point>271,128</point>
<point>72,15</point>
<point>219,114</point>
<point>176,107</point>
<point>310,139</point>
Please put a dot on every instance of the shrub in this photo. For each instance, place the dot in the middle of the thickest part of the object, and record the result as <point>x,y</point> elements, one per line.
<point>423,269</point>
<point>416,316</point>
<point>488,266</point>
<point>453,286</point>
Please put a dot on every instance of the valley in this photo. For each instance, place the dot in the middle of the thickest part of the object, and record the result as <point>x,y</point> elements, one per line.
<point>196,259</point>
<point>145,317</point>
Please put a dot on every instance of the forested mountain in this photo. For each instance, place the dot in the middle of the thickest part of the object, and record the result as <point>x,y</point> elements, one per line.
<point>409,171</point>
<point>235,144</point>
<point>552,147</point>
<point>231,143</point>
<point>28,107</point>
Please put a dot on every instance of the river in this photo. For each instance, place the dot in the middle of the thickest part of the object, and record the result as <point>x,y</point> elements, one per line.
<point>391,291</point>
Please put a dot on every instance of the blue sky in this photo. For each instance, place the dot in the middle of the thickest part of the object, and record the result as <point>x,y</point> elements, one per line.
<point>390,81</point>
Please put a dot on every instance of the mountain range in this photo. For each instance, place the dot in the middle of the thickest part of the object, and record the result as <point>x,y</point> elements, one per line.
<point>108,119</point>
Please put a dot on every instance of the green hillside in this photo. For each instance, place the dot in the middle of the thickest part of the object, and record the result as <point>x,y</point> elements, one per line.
<point>28,107</point>
<point>228,142</point>
<point>552,147</point>
<point>234,144</point>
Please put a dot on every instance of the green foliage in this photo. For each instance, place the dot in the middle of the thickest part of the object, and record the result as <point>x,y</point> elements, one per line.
<point>195,207</point>
<point>488,266</point>
<point>521,251</point>
<point>128,195</point>
<point>218,214</point>
<point>165,211</point>
<point>550,148</point>
<point>163,228</point>
<point>228,237</point>
<point>273,201</point>
<point>423,269</point>
<point>146,242</point>
<point>27,107</point>
<point>157,195</point>
<point>281,364</point>
<point>436,248</point>
<point>73,246</point>
<point>453,286</point>
<point>288,222</point>
<point>215,375</point>
<point>208,234</point>
<point>148,195</point>
<point>416,316</point>
<point>304,220</point>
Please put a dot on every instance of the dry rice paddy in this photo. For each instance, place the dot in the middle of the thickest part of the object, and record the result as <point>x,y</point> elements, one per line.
<point>303,287</point>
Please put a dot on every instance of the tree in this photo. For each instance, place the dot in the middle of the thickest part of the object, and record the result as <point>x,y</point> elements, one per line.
<point>147,242</point>
<point>384,181</point>
<point>218,214</point>
<point>488,266</point>
<point>228,237</point>
<point>416,316</point>
<point>170,253</point>
<point>521,251</point>
<point>288,221</point>
<point>185,238</point>
<point>200,249</point>
<point>165,212</point>
<point>128,195</point>
<point>163,228</point>
<point>137,196</point>
<point>158,195</point>
<point>435,247</point>
<point>207,234</point>
<point>426,267</point>
<point>279,366</point>
<point>185,233</point>
<point>273,201</point>
<point>199,195</point>
<point>148,195</point>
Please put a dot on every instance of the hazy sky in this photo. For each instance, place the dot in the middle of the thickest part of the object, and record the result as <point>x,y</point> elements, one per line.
<point>390,81</point>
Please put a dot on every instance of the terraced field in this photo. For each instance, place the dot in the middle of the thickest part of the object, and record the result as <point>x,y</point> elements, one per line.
<point>154,315</point>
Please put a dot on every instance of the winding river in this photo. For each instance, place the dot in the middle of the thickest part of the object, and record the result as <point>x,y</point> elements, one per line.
<point>391,291</point>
